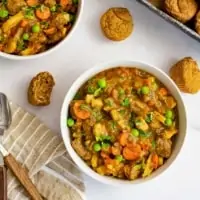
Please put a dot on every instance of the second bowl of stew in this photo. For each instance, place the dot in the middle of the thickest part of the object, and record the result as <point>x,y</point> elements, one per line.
<point>123,122</point>
<point>32,28</point>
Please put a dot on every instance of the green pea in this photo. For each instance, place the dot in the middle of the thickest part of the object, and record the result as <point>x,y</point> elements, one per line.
<point>53,9</point>
<point>168,122</point>
<point>70,122</point>
<point>135,132</point>
<point>145,90</point>
<point>119,158</point>
<point>97,147</point>
<point>25,36</point>
<point>3,13</point>
<point>102,83</point>
<point>169,114</point>
<point>36,28</point>
<point>75,1</point>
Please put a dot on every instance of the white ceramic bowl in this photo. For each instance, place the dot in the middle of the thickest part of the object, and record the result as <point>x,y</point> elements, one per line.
<point>90,73</point>
<point>54,48</point>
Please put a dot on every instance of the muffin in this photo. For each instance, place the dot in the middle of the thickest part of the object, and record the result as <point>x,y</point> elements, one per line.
<point>186,75</point>
<point>117,24</point>
<point>182,10</point>
<point>40,89</point>
<point>197,22</point>
<point>157,3</point>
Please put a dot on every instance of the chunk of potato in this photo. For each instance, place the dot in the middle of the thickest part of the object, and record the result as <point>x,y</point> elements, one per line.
<point>159,117</point>
<point>12,42</point>
<point>32,49</point>
<point>89,98</point>
<point>94,160</point>
<point>99,130</point>
<point>123,124</point>
<point>97,103</point>
<point>141,124</point>
<point>12,22</point>
<point>116,115</point>
<point>169,133</point>
<point>170,102</point>
<point>101,170</point>
<point>148,167</point>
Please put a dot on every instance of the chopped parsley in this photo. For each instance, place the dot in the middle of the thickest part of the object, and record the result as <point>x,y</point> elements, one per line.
<point>125,102</point>
<point>29,13</point>
<point>144,134</point>
<point>149,117</point>
<point>91,89</point>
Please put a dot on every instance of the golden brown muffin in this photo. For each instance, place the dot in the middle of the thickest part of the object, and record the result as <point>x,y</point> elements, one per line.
<point>40,89</point>
<point>117,23</point>
<point>197,22</point>
<point>157,3</point>
<point>182,10</point>
<point>186,75</point>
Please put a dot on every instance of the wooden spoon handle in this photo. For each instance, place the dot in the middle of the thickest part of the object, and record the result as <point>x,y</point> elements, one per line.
<point>22,176</point>
<point>3,183</point>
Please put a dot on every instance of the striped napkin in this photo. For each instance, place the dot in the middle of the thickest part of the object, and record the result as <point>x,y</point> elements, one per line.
<point>45,157</point>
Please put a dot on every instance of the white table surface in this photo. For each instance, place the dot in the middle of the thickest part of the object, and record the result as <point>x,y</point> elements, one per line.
<point>154,41</point>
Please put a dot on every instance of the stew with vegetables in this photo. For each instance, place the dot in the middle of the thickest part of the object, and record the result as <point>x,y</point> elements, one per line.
<point>29,27</point>
<point>123,122</point>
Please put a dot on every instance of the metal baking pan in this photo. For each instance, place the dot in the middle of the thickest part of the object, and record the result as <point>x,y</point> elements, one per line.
<point>185,28</point>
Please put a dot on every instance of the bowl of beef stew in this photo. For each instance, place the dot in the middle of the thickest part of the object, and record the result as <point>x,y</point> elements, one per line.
<point>33,28</point>
<point>123,122</point>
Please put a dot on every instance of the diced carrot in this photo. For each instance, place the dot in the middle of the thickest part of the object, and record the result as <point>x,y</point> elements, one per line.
<point>163,91</point>
<point>123,138</point>
<point>24,23</point>
<point>104,155</point>
<point>50,31</point>
<point>115,150</point>
<point>115,94</point>
<point>147,82</point>
<point>1,47</point>
<point>64,3</point>
<point>130,154</point>
<point>43,13</point>
<point>78,112</point>
<point>32,2</point>
<point>155,160</point>
<point>144,146</point>
<point>108,161</point>
<point>151,103</point>
<point>130,145</point>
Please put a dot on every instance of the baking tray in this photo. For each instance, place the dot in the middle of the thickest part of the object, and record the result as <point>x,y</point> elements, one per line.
<point>185,28</point>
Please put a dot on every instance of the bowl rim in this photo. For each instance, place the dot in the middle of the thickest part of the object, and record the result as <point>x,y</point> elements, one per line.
<point>65,133</point>
<point>54,48</point>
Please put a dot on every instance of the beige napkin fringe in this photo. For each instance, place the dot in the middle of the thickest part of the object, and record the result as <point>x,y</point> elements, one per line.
<point>44,155</point>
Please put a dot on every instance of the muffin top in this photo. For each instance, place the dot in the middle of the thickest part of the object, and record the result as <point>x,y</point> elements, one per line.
<point>182,10</point>
<point>117,23</point>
